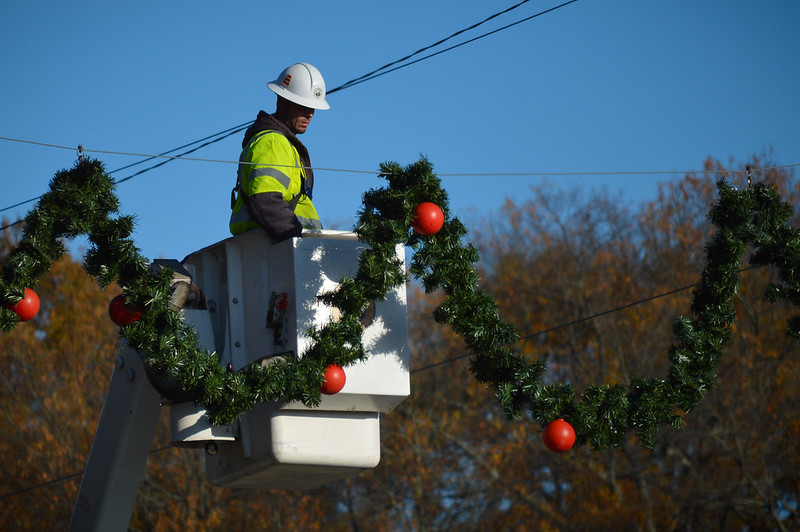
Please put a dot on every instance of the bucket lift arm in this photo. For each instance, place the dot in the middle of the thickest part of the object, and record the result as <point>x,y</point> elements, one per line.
<point>120,448</point>
<point>274,446</point>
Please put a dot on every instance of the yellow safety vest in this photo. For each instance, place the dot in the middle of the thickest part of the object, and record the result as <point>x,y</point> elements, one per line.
<point>275,168</point>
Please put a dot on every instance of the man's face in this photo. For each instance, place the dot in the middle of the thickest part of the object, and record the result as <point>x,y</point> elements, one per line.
<point>297,117</point>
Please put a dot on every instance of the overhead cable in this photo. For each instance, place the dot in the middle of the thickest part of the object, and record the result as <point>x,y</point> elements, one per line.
<point>431,366</point>
<point>61,479</point>
<point>437,43</point>
<point>354,82</point>
<point>579,320</point>
<point>231,131</point>
<point>373,172</point>
<point>169,158</point>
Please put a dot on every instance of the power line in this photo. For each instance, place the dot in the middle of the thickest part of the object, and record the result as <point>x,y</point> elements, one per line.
<point>181,157</point>
<point>440,363</point>
<point>617,172</point>
<point>366,77</point>
<point>230,132</point>
<point>373,172</point>
<point>61,479</point>
<point>226,132</point>
<point>418,370</point>
<point>579,320</point>
<point>41,485</point>
<point>409,56</point>
<point>461,44</point>
<point>216,136</point>
<point>385,69</point>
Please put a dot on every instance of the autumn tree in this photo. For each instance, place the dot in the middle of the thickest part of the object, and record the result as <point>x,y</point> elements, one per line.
<point>591,282</point>
<point>51,393</point>
<point>567,268</point>
<point>54,374</point>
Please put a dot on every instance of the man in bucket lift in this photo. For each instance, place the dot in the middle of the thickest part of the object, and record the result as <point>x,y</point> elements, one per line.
<point>275,181</point>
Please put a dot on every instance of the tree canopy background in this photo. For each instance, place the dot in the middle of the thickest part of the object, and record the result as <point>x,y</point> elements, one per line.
<point>556,260</point>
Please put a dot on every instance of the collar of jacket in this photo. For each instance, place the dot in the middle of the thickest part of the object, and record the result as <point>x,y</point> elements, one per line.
<point>264,122</point>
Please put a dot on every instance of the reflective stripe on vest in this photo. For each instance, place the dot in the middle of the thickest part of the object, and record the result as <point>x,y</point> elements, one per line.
<point>274,173</point>
<point>279,173</point>
<point>309,223</point>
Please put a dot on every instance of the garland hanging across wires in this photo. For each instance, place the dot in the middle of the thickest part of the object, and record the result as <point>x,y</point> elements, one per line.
<point>82,200</point>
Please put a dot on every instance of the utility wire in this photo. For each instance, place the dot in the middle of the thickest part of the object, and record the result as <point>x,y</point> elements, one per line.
<point>61,479</point>
<point>372,75</point>
<point>41,485</point>
<point>366,77</point>
<point>461,44</point>
<point>219,136</point>
<point>228,132</point>
<point>437,364</point>
<point>409,56</point>
<point>373,172</point>
<point>579,320</point>
<point>418,370</point>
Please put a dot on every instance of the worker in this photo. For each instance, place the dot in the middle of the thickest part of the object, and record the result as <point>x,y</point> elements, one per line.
<point>275,181</point>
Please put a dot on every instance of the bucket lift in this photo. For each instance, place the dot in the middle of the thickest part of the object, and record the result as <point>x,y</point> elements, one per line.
<point>259,300</point>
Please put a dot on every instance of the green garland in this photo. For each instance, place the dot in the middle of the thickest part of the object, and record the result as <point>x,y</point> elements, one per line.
<point>82,200</point>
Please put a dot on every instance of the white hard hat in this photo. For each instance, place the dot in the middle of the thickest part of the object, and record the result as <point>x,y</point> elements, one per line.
<point>302,84</point>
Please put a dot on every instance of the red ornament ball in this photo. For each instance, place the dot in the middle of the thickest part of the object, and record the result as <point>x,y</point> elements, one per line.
<point>27,307</point>
<point>559,436</point>
<point>121,313</point>
<point>428,219</point>
<point>334,380</point>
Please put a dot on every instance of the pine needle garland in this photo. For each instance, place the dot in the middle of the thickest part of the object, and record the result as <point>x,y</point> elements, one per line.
<point>82,201</point>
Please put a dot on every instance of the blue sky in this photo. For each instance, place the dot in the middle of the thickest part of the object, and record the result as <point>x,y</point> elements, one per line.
<point>596,86</point>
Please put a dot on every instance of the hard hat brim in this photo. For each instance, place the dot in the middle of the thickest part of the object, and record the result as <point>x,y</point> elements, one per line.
<point>299,100</point>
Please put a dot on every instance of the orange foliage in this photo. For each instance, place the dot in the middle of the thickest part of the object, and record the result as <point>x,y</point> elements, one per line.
<point>450,459</point>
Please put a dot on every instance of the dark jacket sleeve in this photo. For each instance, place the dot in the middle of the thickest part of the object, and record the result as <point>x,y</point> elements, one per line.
<point>274,215</point>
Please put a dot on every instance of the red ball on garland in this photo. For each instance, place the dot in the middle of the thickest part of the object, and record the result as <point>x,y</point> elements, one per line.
<point>27,307</point>
<point>559,436</point>
<point>334,379</point>
<point>428,218</point>
<point>121,313</point>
